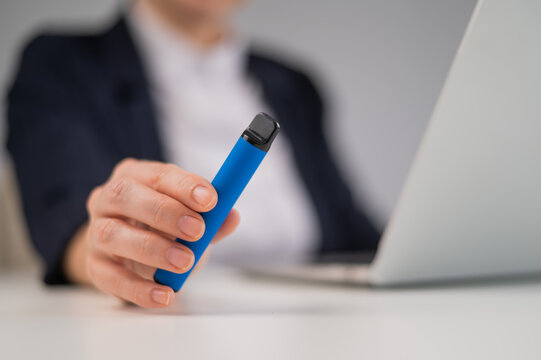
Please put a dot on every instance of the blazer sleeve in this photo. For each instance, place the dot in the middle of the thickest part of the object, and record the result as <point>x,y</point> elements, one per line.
<point>350,229</point>
<point>54,148</point>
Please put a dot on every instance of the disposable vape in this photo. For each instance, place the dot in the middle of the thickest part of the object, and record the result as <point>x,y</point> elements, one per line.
<point>229,182</point>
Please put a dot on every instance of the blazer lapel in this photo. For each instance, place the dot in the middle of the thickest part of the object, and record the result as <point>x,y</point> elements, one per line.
<point>132,116</point>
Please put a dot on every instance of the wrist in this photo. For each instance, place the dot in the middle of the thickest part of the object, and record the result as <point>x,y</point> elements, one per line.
<point>75,258</point>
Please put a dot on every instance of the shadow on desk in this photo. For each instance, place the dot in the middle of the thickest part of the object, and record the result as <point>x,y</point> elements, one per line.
<point>219,307</point>
<point>456,284</point>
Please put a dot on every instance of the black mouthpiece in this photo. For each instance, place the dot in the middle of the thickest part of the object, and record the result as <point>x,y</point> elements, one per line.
<point>261,131</point>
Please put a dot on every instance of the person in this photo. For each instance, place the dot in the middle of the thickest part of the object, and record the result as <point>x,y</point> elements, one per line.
<point>114,134</point>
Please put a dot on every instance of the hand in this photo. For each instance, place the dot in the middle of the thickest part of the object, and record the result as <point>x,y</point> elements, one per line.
<point>134,219</point>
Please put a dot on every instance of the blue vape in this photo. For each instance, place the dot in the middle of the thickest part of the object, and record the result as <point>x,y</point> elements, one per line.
<point>232,178</point>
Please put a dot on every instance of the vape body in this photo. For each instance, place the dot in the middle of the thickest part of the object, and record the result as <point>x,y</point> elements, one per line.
<point>229,182</point>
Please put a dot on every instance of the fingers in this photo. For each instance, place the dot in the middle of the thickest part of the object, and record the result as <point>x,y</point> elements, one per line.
<point>128,198</point>
<point>145,271</point>
<point>117,238</point>
<point>230,224</point>
<point>135,217</point>
<point>115,279</point>
<point>192,190</point>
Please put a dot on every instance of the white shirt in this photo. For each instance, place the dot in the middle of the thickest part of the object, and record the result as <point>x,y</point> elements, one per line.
<point>204,102</point>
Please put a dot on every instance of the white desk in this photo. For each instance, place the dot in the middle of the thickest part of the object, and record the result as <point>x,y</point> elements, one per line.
<point>224,315</point>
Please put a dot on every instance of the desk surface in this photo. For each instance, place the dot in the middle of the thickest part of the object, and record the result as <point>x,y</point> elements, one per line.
<point>223,314</point>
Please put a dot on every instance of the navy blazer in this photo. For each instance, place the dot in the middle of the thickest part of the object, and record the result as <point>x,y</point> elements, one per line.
<point>80,104</point>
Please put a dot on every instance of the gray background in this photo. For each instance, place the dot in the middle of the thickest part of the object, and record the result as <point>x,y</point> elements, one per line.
<point>381,63</point>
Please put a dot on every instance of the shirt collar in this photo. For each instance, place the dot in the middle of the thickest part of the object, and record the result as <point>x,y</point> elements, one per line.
<point>171,56</point>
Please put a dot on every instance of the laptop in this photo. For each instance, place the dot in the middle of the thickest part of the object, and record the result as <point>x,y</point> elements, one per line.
<point>471,205</point>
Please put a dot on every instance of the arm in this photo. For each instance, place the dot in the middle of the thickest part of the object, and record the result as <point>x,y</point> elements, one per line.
<point>54,148</point>
<point>347,227</point>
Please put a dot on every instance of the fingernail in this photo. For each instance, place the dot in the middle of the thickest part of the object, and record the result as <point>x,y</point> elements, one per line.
<point>181,259</point>
<point>161,296</point>
<point>202,195</point>
<point>191,226</point>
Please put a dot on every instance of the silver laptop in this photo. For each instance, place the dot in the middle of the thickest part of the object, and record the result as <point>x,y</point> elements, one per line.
<point>471,205</point>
